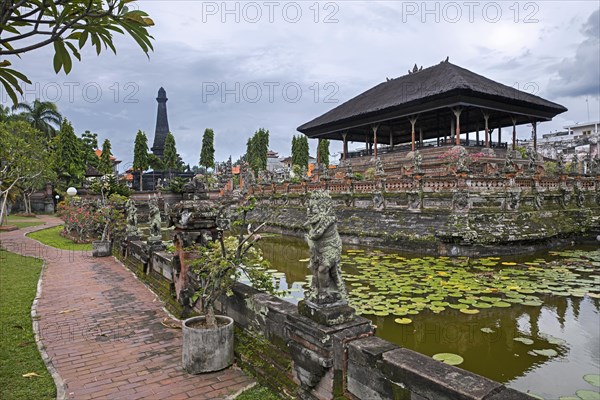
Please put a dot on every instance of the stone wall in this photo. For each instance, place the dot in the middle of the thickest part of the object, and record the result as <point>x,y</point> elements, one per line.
<point>284,349</point>
<point>448,216</point>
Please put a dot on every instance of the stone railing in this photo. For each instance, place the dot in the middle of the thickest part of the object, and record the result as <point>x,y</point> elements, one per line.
<point>345,360</point>
<point>434,183</point>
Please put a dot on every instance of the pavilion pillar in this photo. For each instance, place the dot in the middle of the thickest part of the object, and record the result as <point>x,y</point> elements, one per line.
<point>534,132</point>
<point>375,128</point>
<point>486,117</point>
<point>452,129</point>
<point>457,112</point>
<point>413,121</point>
<point>318,152</point>
<point>477,135</point>
<point>514,134</point>
<point>420,136</point>
<point>367,143</point>
<point>499,134</point>
<point>345,148</point>
<point>391,138</point>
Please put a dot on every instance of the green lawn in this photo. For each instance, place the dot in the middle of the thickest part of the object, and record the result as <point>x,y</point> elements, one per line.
<point>18,352</point>
<point>23,222</point>
<point>257,393</point>
<point>51,237</point>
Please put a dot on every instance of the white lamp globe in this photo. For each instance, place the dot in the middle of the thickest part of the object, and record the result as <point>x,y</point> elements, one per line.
<point>71,191</point>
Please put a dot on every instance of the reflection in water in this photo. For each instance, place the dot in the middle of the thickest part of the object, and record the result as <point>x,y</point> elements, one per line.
<point>566,325</point>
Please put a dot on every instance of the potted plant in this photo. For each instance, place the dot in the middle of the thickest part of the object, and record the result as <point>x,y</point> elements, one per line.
<point>112,220</point>
<point>213,269</point>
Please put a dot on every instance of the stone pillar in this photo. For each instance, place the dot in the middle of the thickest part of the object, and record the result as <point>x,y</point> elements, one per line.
<point>413,121</point>
<point>345,140</point>
<point>457,112</point>
<point>534,133</point>
<point>486,117</point>
<point>325,322</point>
<point>375,128</point>
<point>499,134</point>
<point>514,134</point>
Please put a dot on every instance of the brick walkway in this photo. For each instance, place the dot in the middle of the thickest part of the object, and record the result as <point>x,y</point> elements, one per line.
<point>101,329</point>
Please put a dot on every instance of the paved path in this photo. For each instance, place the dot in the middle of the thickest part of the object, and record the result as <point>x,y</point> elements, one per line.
<point>101,329</point>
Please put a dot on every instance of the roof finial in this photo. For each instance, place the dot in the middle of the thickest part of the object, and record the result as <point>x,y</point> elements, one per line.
<point>447,59</point>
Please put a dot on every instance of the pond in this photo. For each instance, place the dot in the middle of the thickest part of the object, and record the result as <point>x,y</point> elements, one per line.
<point>531,322</point>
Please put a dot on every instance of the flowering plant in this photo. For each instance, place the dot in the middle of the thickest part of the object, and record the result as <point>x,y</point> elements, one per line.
<point>81,218</point>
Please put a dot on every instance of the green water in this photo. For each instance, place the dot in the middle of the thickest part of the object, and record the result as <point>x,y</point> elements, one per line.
<point>548,301</point>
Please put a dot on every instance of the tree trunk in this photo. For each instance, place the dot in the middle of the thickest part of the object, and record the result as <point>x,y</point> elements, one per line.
<point>3,208</point>
<point>211,321</point>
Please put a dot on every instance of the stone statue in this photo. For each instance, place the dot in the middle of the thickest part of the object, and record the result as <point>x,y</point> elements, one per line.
<point>576,164</point>
<point>379,167</point>
<point>417,161</point>
<point>509,163</point>
<point>154,218</point>
<point>325,246</point>
<point>131,209</point>
<point>560,164</point>
<point>349,173</point>
<point>531,156</point>
<point>538,200</point>
<point>461,162</point>
<point>594,166</point>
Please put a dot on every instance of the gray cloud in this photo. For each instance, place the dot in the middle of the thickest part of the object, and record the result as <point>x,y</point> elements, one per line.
<point>580,75</point>
<point>370,41</point>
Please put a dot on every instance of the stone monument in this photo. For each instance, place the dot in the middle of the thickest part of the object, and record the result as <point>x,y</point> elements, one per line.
<point>326,301</point>
<point>132,232</point>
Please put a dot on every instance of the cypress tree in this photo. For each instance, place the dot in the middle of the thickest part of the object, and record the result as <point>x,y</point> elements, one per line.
<point>105,166</point>
<point>323,152</point>
<point>170,154</point>
<point>140,154</point>
<point>207,154</point>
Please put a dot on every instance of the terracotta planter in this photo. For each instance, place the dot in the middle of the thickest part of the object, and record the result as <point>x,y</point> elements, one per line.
<point>207,350</point>
<point>101,248</point>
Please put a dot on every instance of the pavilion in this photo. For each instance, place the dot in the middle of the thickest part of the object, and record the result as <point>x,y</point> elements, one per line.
<point>439,102</point>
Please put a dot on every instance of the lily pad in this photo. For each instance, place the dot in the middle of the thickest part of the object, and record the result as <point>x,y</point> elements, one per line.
<point>403,321</point>
<point>546,352</point>
<point>592,379</point>
<point>469,311</point>
<point>487,330</point>
<point>588,395</point>
<point>523,340</point>
<point>449,358</point>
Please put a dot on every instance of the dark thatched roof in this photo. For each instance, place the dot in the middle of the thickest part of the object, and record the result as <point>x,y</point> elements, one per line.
<point>434,88</point>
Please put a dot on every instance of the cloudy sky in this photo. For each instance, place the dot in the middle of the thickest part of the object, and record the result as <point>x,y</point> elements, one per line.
<point>239,66</point>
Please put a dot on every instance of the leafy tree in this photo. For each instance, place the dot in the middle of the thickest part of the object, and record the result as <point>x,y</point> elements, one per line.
<point>300,151</point>
<point>140,154</point>
<point>23,160</point>
<point>257,149</point>
<point>106,166</point>
<point>68,160</point>
<point>155,162</point>
<point>89,144</point>
<point>42,115</point>
<point>28,25</point>
<point>170,154</point>
<point>323,151</point>
<point>207,154</point>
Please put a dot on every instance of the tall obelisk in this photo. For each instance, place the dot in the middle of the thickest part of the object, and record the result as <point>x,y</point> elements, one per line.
<point>162,124</point>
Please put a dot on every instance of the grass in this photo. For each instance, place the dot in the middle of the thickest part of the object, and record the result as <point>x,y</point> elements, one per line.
<point>257,393</point>
<point>23,222</point>
<point>18,351</point>
<point>51,237</point>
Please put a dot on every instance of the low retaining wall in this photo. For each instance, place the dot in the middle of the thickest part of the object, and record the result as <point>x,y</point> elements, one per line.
<point>284,350</point>
<point>448,222</point>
